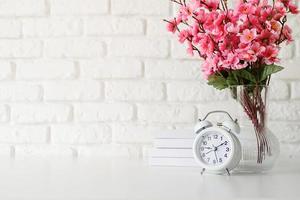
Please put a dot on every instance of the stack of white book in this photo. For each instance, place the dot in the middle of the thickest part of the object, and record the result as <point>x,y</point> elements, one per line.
<point>173,148</point>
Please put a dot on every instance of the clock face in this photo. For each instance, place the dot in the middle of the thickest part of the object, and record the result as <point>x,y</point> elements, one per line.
<point>214,148</point>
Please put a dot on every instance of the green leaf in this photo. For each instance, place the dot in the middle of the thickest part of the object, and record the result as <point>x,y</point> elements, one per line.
<point>232,79</point>
<point>217,82</point>
<point>243,73</point>
<point>243,76</point>
<point>268,70</point>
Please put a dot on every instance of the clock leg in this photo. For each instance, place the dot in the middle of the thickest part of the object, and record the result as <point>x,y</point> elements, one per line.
<point>227,170</point>
<point>203,170</point>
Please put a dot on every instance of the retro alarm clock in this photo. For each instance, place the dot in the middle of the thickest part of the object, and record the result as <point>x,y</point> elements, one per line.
<point>216,147</point>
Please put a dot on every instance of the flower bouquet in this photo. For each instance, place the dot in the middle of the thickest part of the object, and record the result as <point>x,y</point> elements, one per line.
<point>240,47</point>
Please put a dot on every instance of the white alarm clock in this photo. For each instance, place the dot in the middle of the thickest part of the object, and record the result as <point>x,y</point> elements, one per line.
<point>216,148</point>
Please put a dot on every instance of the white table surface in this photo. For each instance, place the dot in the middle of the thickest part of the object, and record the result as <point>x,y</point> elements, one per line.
<point>123,179</point>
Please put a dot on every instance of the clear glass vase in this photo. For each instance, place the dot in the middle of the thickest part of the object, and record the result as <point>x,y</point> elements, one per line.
<point>260,147</point>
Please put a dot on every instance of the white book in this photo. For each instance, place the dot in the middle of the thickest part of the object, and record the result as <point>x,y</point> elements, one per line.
<point>176,162</point>
<point>174,143</point>
<point>171,153</point>
<point>176,134</point>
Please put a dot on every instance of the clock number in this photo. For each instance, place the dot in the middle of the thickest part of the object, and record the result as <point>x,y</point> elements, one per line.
<point>202,149</point>
<point>203,155</point>
<point>215,136</point>
<point>225,155</point>
<point>220,160</point>
<point>227,149</point>
<point>208,138</point>
<point>221,138</point>
<point>226,142</point>
<point>204,142</point>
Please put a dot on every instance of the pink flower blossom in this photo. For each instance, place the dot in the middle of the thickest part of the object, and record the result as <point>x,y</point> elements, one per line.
<point>211,4</point>
<point>183,35</point>
<point>206,46</point>
<point>253,2</point>
<point>185,13</point>
<point>246,8</point>
<point>257,49</point>
<point>266,37</point>
<point>200,16</point>
<point>231,28</point>
<point>248,35</point>
<point>275,25</point>
<point>171,26</point>
<point>293,8</point>
<point>270,54</point>
<point>266,14</point>
<point>287,32</point>
<point>232,39</point>
<point>195,4</point>
<point>247,56</point>
<point>231,61</point>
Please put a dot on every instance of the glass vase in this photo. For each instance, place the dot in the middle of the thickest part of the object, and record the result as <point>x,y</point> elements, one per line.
<point>260,147</point>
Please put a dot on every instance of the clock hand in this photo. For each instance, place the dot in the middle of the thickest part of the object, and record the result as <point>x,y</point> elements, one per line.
<point>216,156</point>
<point>209,148</point>
<point>220,145</point>
<point>215,151</point>
<point>209,151</point>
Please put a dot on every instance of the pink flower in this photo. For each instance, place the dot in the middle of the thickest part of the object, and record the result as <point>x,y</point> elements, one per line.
<point>230,42</point>
<point>252,53</point>
<point>266,14</point>
<point>275,26</point>
<point>280,11</point>
<point>253,2</point>
<point>240,65</point>
<point>248,35</point>
<point>286,3</point>
<point>206,46</point>
<point>185,13</point>
<point>213,63</point>
<point>246,8</point>
<point>211,4</point>
<point>201,16</point>
<point>255,23</point>
<point>207,70</point>
<point>171,26</point>
<point>195,30</point>
<point>197,38</point>
<point>293,8</point>
<point>267,37</point>
<point>236,38</point>
<point>195,4</point>
<point>270,54</point>
<point>231,28</point>
<point>218,21</point>
<point>183,35</point>
<point>210,66</point>
<point>248,56</point>
<point>257,49</point>
<point>231,61</point>
<point>287,32</point>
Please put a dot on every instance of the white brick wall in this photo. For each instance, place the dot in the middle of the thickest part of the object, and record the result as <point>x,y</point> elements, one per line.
<point>97,77</point>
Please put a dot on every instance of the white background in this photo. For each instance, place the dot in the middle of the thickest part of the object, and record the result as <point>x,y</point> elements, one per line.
<point>96,77</point>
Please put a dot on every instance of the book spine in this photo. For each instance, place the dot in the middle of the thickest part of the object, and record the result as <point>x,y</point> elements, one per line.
<point>174,143</point>
<point>179,134</point>
<point>176,162</point>
<point>171,153</point>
